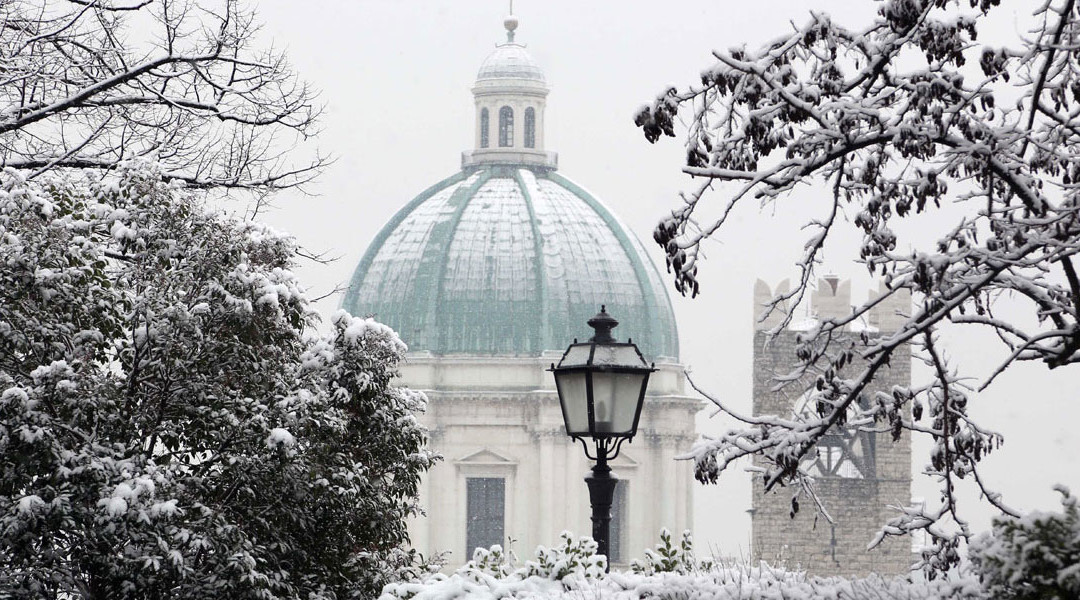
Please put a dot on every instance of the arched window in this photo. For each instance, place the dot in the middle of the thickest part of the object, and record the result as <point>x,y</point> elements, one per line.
<point>506,127</point>
<point>530,128</point>
<point>483,128</point>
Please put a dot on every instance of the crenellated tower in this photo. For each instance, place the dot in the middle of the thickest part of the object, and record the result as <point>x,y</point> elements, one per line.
<point>858,474</point>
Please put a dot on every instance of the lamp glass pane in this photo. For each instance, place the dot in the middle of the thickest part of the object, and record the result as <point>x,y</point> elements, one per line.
<point>627,394</point>
<point>615,398</point>
<point>574,399</point>
<point>609,356</point>
<point>576,356</point>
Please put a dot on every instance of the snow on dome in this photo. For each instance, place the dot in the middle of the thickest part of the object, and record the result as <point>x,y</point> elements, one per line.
<point>504,260</point>
<point>507,257</point>
<point>510,61</point>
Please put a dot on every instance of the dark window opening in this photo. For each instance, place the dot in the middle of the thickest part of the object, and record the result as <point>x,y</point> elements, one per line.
<point>506,127</point>
<point>843,452</point>
<point>483,128</point>
<point>486,509</point>
<point>848,454</point>
<point>530,127</point>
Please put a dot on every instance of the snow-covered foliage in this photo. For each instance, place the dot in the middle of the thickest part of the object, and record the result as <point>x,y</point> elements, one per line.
<point>671,558</point>
<point>572,557</point>
<point>1035,556</point>
<point>909,124</point>
<point>170,427</point>
<point>573,571</point>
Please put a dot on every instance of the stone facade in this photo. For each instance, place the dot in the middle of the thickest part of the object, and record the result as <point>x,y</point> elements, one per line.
<point>500,418</point>
<point>858,498</point>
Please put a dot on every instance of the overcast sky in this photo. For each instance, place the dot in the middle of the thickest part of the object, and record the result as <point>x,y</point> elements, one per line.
<point>395,77</point>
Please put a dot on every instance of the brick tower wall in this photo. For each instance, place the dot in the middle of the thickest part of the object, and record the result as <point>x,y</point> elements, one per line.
<point>859,506</point>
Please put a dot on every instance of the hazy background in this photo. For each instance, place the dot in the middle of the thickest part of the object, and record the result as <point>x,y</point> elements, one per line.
<point>395,77</point>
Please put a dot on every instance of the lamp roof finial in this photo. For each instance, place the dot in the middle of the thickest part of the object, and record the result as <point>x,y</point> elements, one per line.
<point>602,325</point>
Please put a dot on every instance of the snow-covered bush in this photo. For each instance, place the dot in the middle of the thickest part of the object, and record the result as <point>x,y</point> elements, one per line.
<point>571,565</point>
<point>573,571</point>
<point>671,558</point>
<point>170,427</point>
<point>1035,556</point>
<point>571,559</point>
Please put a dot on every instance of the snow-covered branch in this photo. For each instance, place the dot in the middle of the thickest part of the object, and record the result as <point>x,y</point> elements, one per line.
<point>989,129</point>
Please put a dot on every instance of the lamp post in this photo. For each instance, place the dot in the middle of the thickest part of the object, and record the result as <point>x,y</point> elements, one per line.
<point>601,385</point>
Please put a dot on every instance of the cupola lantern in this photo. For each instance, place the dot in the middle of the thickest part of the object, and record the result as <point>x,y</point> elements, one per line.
<point>510,95</point>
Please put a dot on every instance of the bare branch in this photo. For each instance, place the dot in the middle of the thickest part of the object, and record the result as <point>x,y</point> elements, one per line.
<point>198,96</point>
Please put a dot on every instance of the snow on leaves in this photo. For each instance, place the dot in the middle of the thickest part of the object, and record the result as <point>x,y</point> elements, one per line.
<point>170,425</point>
<point>280,438</point>
<point>1035,556</point>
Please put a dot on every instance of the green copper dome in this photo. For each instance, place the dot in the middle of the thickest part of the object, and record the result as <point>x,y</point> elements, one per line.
<point>505,260</point>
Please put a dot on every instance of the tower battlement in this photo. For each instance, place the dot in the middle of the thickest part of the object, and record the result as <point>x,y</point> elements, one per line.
<point>858,474</point>
<point>831,299</point>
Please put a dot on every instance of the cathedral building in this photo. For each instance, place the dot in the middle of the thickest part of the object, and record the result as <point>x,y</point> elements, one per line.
<point>488,276</point>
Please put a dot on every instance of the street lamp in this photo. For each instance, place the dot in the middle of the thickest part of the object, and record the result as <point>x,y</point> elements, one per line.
<point>601,385</point>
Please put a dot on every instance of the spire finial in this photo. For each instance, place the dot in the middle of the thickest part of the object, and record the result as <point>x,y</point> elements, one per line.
<point>511,24</point>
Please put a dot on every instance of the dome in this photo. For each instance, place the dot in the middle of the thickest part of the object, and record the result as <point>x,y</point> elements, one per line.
<point>510,261</point>
<point>510,61</point>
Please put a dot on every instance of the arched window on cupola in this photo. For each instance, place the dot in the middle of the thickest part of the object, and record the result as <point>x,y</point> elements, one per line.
<point>530,127</point>
<point>483,128</point>
<point>506,127</point>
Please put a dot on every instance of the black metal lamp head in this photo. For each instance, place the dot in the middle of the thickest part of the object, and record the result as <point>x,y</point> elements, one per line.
<point>601,384</point>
